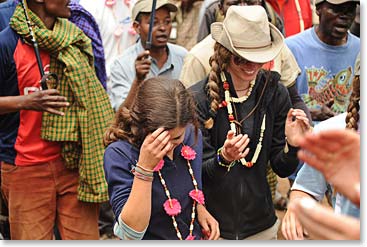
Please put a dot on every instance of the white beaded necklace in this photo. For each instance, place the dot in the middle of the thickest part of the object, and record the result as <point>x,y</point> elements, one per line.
<point>228,99</point>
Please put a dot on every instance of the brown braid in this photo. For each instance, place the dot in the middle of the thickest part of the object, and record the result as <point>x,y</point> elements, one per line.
<point>159,102</point>
<point>218,62</point>
<point>353,107</point>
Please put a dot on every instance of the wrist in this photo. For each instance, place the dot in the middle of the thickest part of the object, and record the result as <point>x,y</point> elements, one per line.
<point>223,156</point>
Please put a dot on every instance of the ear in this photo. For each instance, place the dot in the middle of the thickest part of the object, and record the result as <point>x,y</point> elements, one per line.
<point>136,26</point>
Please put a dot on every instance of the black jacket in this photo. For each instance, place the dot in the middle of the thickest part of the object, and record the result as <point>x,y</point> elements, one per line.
<point>241,199</point>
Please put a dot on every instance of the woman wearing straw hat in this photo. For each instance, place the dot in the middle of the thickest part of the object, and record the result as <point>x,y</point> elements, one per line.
<point>246,121</point>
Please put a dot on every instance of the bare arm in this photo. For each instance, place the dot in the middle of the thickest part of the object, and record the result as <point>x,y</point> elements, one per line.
<point>46,100</point>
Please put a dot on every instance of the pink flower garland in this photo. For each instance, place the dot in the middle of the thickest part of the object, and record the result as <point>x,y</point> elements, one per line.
<point>172,206</point>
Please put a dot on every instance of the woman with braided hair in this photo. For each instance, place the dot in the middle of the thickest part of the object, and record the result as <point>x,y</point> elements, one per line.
<point>246,120</point>
<point>327,152</point>
<point>153,166</point>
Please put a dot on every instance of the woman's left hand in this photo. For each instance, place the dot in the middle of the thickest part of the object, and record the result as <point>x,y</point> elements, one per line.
<point>296,125</point>
<point>210,226</point>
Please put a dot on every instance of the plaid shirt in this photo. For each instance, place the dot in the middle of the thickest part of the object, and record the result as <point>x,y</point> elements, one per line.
<point>81,129</point>
<point>86,22</point>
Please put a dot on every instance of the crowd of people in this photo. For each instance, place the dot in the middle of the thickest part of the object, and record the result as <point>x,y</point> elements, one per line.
<point>173,119</point>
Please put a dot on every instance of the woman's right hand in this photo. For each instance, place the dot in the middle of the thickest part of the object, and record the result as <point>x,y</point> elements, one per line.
<point>155,146</point>
<point>234,147</point>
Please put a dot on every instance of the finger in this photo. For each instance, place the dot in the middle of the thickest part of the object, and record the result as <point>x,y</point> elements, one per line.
<point>143,55</point>
<point>54,111</point>
<point>161,139</point>
<point>293,228</point>
<point>230,134</point>
<point>151,137</point>
<point>244,144</point>
<point>245,153</point>
<point>165,150</point>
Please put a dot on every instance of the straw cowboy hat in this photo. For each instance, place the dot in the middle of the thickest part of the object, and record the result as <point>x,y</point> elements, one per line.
<point>336,1</point>
<point>247,32</point>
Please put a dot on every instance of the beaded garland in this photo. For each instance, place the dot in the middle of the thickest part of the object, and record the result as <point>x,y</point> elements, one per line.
<point>172,206</point>
<point>227,103</point>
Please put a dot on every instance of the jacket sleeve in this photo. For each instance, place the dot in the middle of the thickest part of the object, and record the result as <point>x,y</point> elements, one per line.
<point>283,162</point>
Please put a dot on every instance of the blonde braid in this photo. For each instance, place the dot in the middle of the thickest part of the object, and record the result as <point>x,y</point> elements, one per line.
<point>353,107</point>
<point>218,62</point>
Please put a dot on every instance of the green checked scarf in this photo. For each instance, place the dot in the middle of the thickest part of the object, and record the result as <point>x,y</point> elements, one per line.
<point>81,129</point>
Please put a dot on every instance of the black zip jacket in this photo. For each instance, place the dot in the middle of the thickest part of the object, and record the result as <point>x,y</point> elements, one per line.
<point>240,199</point>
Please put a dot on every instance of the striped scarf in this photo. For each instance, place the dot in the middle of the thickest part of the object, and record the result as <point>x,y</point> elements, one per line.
<point>81,129</point>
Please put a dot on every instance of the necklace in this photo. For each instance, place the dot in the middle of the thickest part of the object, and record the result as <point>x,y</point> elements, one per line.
<point>172,206</point>
<point>232,121</point>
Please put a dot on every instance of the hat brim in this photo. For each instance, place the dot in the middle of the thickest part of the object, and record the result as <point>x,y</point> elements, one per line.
<point>256,55</point>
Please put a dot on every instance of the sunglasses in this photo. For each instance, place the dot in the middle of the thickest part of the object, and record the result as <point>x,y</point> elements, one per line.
<point>239,60</point>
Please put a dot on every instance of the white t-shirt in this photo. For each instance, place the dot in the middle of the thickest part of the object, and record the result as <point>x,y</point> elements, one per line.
<point>115,26</point>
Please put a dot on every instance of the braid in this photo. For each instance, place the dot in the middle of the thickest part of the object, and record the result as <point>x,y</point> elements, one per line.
<point>124,127</point>
<point>352,118</point>
<point>219,62</point>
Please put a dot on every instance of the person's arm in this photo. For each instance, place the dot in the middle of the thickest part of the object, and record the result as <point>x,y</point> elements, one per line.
<point>322,223</point>
<point>142,68</point>
<point>122,77</point>
<point>291,227</point>
<point>48,100</point>
<point>283,158</point>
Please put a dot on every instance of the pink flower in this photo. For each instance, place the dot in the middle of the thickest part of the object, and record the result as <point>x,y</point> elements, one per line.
<point>190,237</point>
<point>172,208</point>
<point>197,195</point>
<point>131,31</point>
<point>188,153</point>
<point>159,166</point>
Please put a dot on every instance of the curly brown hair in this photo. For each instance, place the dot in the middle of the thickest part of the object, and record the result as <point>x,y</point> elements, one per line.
<point>352,117</point>
<point>219,61</point>
<point>159,102</point>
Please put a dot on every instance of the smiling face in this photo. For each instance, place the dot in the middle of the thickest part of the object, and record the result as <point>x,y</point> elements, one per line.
<point>243,69</point>
<point>161,28</point>
<point>335,21</point>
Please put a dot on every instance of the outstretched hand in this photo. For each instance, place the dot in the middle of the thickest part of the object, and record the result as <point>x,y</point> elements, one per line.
<point>322,223</point>
<point>336,154</point>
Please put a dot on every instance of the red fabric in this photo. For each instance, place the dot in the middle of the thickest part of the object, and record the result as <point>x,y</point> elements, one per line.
<point>291,19</point>
<point>31,149</point>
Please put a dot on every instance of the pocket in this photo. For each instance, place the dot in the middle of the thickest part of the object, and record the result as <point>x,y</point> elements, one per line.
<point>8,168</point>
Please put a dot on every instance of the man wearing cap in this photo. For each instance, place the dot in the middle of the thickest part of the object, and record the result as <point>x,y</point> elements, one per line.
<point>326,54</point>
<point>137,63</point>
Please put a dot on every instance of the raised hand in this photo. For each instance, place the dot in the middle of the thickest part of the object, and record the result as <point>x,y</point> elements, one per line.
<point>155,146</point>
<point>296,125</point>
<point>142,65</point>
<point>234,147</point>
